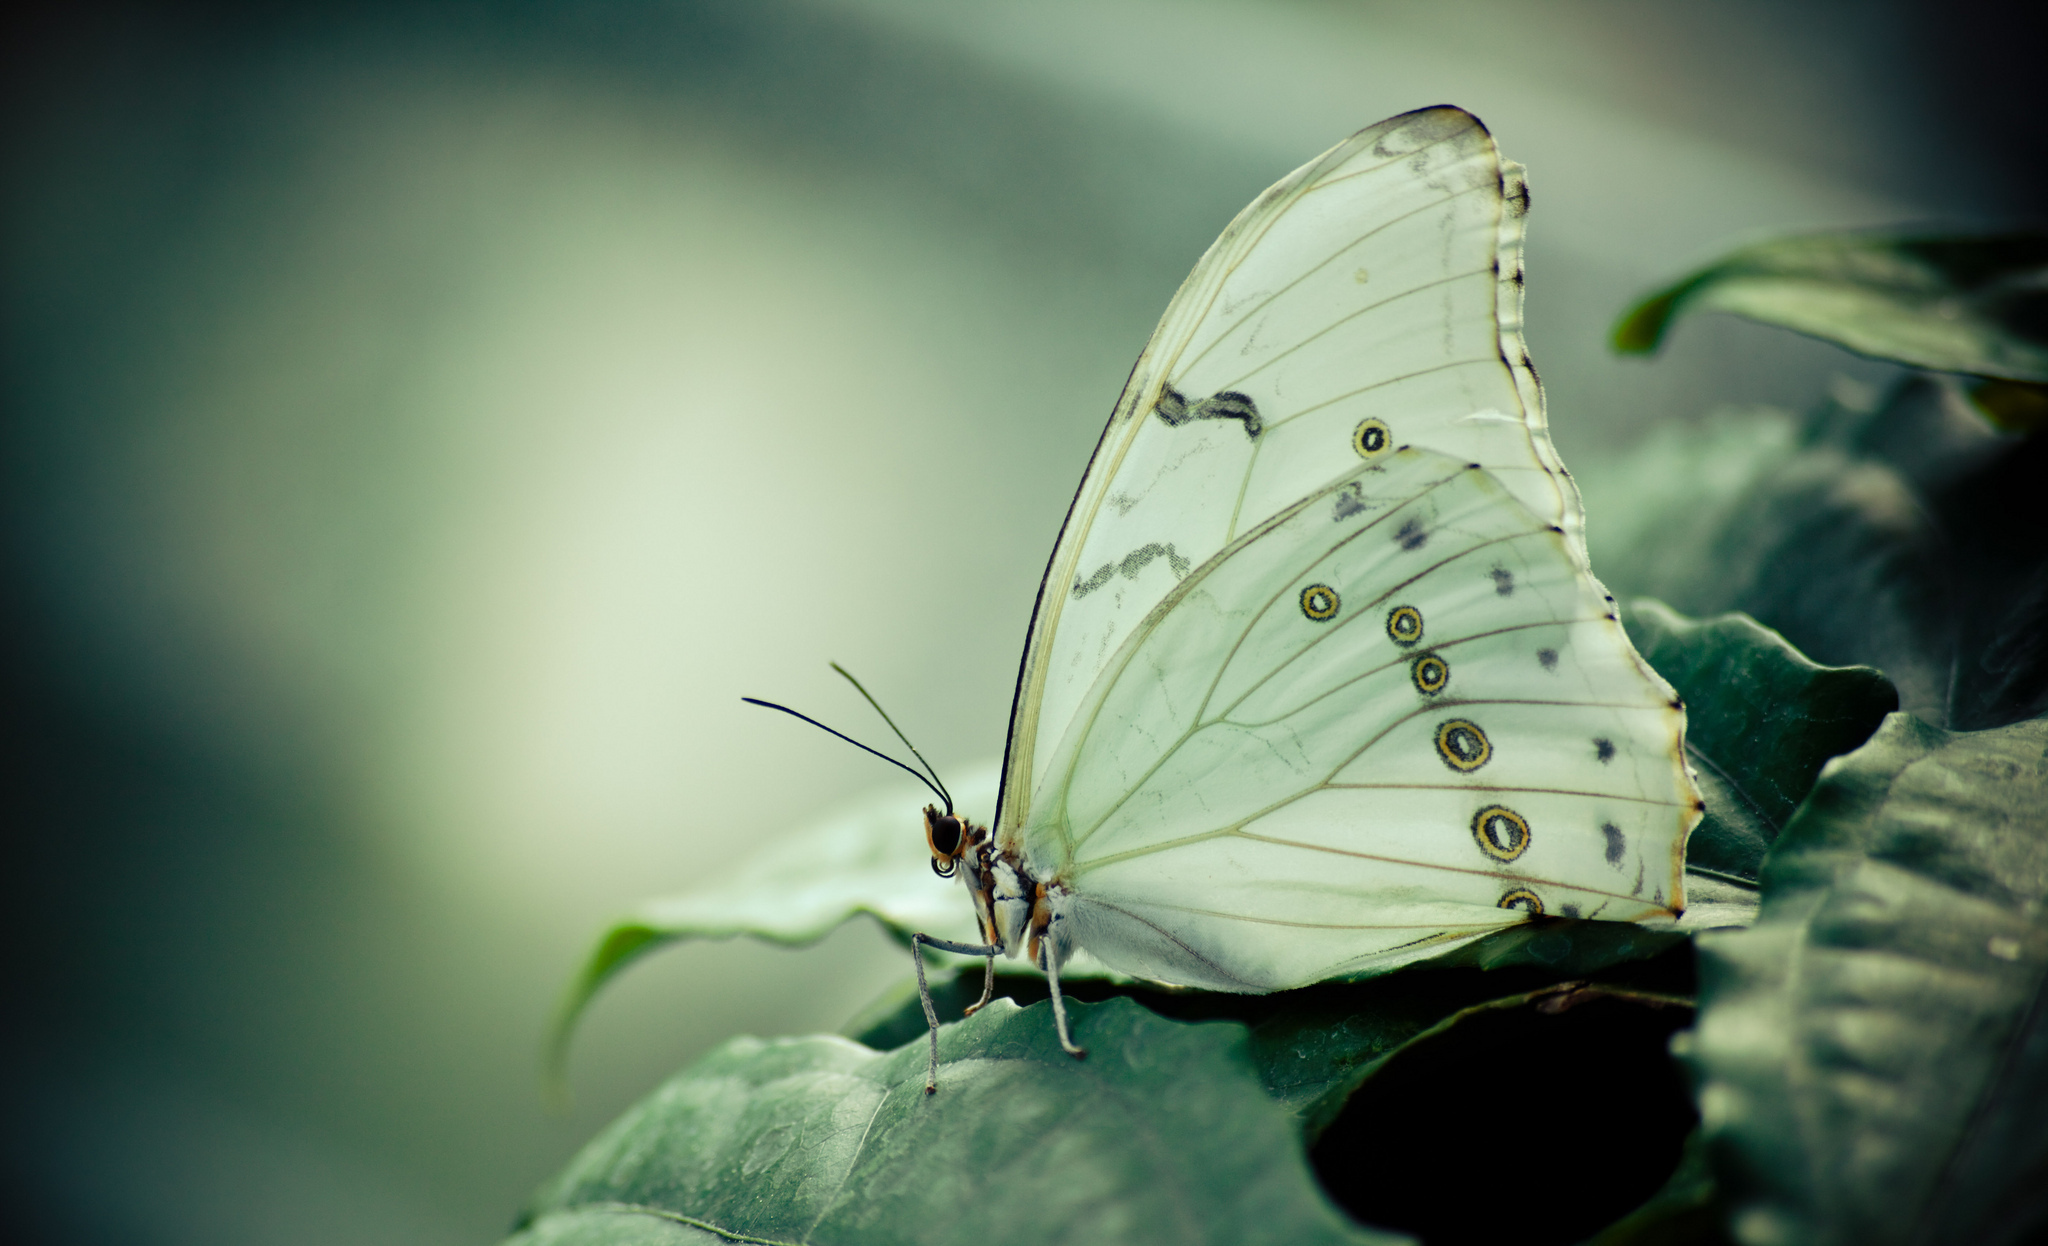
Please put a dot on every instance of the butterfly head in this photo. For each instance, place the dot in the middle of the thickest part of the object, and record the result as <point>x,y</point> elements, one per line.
<point>951,839</point>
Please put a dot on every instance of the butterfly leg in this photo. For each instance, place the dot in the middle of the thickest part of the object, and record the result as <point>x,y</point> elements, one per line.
<point>918,943</point>
<point>1051,965</point>
<point>988,987</point>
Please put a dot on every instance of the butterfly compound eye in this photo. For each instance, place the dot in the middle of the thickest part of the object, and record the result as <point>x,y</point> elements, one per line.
<point>943,830</point>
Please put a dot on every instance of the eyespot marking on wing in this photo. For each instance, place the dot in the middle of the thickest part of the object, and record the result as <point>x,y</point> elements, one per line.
<point>1603,748</point>
<point>1523,899</point>
<point>1547,658</point>
<point>1404,625</point>
<point>1502,833</point>
<point>1430,673</point>
<point>1174,408</point>
<point>1462,745</point>
<point>1372,438</point>
<point>1319,602</point>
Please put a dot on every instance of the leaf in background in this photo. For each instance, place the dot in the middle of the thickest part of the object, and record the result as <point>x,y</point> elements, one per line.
<point>1761,721</point>
<point>1872,1055</point>
<point>1161,1135</point>
<point>870,857</point>
<point>1749,511</point>
<point>1950,304</point>
<point>1896,532</point>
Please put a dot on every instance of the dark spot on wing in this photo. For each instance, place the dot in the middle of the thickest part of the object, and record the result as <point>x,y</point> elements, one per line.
<point>1568,910</point>
<point>1171,407</point>
<point>1520,278</point>
<point>1131,564</point>
<point>1350,501</point>
<point>1603,748</point>
<point>1548,657</point>
<point>1617,846</point>
<point>1411,535</point>
<point>1503,581</point>
<point>1174,408</point>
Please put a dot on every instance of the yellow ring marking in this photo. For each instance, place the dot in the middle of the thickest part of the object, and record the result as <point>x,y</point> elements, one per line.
<point>1319,602</point>
<point>1430,673</point>
<point>1524,899</point>
<point>1372,438</point>
<point>1404,625</point>
<point>1462,745</point>
<point>1502,833</point>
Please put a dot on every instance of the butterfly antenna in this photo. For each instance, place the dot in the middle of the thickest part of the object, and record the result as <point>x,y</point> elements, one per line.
<point>857,744</point>
<point>936,782</point>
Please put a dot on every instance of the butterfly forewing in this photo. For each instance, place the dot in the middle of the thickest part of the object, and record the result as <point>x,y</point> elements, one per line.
<point>1369,300</point>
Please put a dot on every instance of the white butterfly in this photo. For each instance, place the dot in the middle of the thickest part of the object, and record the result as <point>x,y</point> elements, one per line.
<point>1319,680</point>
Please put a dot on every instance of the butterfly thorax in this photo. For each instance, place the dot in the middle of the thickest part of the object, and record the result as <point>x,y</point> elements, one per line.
<point>1014,909</point>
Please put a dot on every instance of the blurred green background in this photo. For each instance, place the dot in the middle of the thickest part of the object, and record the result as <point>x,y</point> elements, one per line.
<point>423,423</point>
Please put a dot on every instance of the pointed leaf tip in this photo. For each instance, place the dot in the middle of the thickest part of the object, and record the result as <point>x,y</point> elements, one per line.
<point>1974,305</point>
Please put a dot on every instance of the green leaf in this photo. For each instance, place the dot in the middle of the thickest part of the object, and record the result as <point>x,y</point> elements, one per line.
<point>1308,1044</point>
<point>1761,721</point>
<point>1799,528</point>
<point>1872,1055</point>
<point>1950,304</point>
<point>869,857</point>
<point>1162,1134</point>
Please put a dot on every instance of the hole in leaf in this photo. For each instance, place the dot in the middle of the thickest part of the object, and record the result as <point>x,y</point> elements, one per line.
<point>1517,1125</point>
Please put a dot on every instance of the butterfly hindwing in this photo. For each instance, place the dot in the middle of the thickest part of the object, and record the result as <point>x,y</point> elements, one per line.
<point>1266,772</point>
